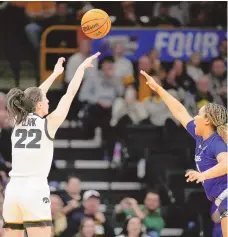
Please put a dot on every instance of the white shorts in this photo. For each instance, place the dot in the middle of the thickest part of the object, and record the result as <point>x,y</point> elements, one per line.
<point>27,204</point>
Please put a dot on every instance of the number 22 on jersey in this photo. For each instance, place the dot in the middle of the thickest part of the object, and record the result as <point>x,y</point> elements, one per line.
<point>23,134</point>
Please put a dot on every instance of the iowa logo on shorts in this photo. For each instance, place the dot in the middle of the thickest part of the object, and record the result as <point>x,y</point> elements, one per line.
<point>46,200</point>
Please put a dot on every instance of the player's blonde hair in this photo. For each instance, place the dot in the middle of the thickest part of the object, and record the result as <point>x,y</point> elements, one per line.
<point>20,103</point>
<point>217,115</point>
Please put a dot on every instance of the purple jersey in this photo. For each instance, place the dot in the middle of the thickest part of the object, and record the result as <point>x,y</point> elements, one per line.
<point>205,158</point>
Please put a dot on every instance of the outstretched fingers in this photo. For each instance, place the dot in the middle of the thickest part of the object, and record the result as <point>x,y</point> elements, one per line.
<point>144,73</point>
<point>95,55</point>
<point>61,60</point>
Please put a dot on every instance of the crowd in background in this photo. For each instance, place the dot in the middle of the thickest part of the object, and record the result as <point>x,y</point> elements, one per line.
<point>24,22</point>
<point>114,95</point>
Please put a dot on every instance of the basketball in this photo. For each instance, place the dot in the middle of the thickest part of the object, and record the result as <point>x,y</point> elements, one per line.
<point>96,23</point>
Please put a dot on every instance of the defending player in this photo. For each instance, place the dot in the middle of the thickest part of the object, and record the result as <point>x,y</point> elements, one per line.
<point>27,203</point>
<point>209,129</point>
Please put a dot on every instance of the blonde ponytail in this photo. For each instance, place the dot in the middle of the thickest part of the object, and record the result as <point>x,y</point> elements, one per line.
<point>217,115</point>
<point>222,132</point>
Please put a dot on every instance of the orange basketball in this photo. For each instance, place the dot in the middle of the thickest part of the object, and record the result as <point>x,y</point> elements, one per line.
<point>96,23</point>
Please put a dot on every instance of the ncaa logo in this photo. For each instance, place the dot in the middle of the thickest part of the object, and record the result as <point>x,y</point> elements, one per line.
<point>46,200</point>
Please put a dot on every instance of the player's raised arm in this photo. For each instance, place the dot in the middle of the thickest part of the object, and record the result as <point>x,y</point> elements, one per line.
<point>176,108</point>
<point>58,70</point>
<point>56,118</point>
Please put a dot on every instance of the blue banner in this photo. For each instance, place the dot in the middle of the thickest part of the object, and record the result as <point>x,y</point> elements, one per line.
<point>171,44</point>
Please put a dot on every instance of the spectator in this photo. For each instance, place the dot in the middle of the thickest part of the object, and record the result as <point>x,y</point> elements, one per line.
<point>156,64</point>
<point>90,209</point>
<point>3,113</point>
<point>132,228</point>
<point>223,51</point>
<point>176,88</point>
<point>203,96</point>
<point>180,11</point>
<point>61,16</point>
<point>99,92</point>
<point>12,20</point>
<point>125,111</point>
<point>5,134</point>
<point>154,56</point>
<point>182,79</point>
<point>218,81</point>
<point>87,228</point>
<point>76,59</point>
<point>156,109</point>
<point>59,219</point>
<point>127,108</point>
<point>148,213</point>
<point>37,12</point>
<point>201,14</point>
<point>129,17</point>
<point>123,68</point>
<point>144,91</point>
<point>71,196</point>
<point>163,19</point>
<point>193,67</point>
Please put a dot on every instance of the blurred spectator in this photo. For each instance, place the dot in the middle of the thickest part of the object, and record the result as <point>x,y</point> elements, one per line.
<point>87,228</point>
<point>123,68</point>
<point>101,89</point>
<point>71,196</point>
<point>133,228</point>
<point>149,213</point>
<point>187,98</point>
<point>218,81</point>
<point>37,12</point>
<point>129,17</point>
<point>59,219</point>
<point>204,14</point>
<point>182,78</point>
<point>193,67</point>
<point>219,9</point>
<point>180,11</point>
<point>154,56</point>
<point>215,217</point>
<point>203,96</point>
<point>4,123</point>
<point>91,204</point>
<point>171,83</point>
<point>90,209</point>
<point>223,51</point>
<point>156,64</point>
<point>163,19</point>
<point>99,92</point>
<point>127,108</point>
<point>156,109</point>
<point>5,134</point>
<point>76,59</point>
<point>201,14</point>
<point>125,111</point>
<point>12,21</point>
<point>84,7</point>
<point>62,15</point>
<point>144,91</point>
